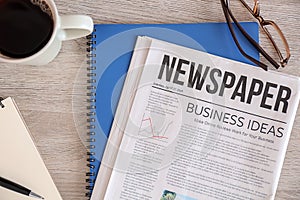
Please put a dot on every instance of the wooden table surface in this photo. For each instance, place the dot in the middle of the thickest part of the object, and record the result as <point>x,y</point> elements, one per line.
<point>49,96</point>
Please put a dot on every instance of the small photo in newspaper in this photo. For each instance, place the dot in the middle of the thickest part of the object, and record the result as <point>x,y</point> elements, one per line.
<point>169,195</point>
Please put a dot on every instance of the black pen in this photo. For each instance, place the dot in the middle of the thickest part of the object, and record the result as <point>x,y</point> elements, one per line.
<point>18,188</point>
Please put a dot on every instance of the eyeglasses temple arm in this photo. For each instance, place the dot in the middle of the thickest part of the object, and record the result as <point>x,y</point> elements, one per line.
<point>228,14</point>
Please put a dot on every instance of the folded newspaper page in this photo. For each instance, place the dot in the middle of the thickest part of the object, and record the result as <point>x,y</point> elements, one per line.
<point>198,127</point>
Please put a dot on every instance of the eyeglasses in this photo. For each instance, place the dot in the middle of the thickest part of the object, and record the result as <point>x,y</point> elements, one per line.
<point>282,59</point>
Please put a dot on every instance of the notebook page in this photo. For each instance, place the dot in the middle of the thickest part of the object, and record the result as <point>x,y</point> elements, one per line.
<point>20,159</point>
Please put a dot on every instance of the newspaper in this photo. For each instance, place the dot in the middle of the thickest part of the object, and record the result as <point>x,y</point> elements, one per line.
<point>192,125</point>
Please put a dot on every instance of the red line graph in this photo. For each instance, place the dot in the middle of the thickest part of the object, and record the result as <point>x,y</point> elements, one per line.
<point>154,134</point>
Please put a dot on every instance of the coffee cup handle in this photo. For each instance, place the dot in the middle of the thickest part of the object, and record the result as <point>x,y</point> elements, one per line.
<point>75,26</point>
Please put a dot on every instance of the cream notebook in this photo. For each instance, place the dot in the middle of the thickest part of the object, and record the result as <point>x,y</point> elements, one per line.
<point>20,159</point>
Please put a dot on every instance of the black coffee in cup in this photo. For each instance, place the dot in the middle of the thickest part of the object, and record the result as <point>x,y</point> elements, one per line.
<point>25,27</point>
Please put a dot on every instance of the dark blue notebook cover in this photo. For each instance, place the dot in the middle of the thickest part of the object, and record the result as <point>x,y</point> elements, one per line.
<point>111,48</point>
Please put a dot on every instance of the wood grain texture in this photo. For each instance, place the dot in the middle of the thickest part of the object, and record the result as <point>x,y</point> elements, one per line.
<point>51,97</point>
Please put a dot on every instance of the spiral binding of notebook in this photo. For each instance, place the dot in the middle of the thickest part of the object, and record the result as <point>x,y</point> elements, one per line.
<point>91,114</point>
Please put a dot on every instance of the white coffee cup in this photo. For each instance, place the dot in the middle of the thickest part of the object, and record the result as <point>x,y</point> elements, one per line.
<point>66,27</point>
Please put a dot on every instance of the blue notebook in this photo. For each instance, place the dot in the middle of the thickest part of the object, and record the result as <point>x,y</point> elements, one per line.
<point>111,47</point>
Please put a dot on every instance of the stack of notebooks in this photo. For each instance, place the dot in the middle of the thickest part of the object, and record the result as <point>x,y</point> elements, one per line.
<point>121,156</point>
